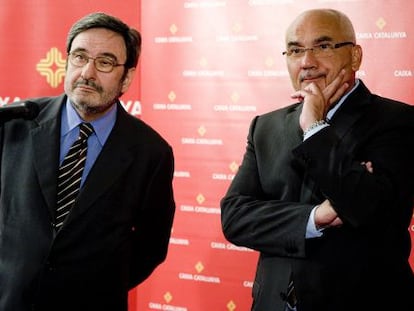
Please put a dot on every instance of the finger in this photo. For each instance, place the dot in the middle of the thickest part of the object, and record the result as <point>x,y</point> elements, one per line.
<point>336,88</point>
<point>310,89</point>
<point>368,166</point>
<point>298,96</point>
<point>301,93</point>
<point>339,92</point>
<point>336,222</point>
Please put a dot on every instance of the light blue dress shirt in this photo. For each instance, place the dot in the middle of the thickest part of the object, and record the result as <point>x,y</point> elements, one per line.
<point>70,131</point>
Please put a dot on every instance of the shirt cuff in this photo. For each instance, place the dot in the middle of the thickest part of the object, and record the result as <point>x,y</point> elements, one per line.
<point>311,230</point>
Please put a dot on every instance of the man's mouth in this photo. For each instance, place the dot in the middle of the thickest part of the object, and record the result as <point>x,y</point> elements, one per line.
<point>84,87</point>
<point>310,78</point>
<point>88,86</point>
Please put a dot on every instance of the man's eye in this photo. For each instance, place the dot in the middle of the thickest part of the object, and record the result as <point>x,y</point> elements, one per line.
<point>324,46</point>
<point>296,51</point>
<point>80,57</point>
<point>105,62</point>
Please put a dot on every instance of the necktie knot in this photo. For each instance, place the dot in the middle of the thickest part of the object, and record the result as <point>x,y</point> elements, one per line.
<point>85,130</point>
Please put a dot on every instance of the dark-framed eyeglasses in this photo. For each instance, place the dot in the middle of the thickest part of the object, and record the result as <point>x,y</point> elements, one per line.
<point>101,63</point>
<point>320,50</point>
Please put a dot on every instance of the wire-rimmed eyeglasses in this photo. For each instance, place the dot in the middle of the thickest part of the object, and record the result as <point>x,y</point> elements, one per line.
<point>102,63</point>
<point>320,50</point>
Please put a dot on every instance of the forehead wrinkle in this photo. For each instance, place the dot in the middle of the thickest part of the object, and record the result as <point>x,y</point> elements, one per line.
<point>99,42</point>
<point>315,41</point>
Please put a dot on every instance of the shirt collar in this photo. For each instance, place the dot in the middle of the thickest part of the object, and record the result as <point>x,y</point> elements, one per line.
<point>331,112</point>
<point>101,126</point>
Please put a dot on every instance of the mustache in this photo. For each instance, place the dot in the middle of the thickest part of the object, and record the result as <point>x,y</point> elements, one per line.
<point>310,75</point>
<point>88,83</point>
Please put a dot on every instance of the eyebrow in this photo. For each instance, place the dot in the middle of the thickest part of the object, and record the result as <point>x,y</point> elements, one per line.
<point>316,41</point>
<point>109,55</point>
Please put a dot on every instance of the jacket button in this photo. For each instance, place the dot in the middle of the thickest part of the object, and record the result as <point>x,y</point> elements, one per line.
<point>50,267</point>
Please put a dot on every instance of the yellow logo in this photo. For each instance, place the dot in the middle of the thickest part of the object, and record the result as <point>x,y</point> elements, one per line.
<point>172,96</point>
<point>173,29</point>
<point>231,305</point>
<point>202,130</point>
<point>52,67</point>
<point>199,267</point>
<point>168,297</point>
<point>233,167</point>
<point>381,23</point>
<point>200,198</point>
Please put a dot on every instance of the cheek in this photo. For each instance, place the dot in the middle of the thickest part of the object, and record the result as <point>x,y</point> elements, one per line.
<point>68,82</point>
<point>71,76</point>
<point>127,80</point>
<point>333,70</point>
<point>294,74</point>
<point>292,69</point>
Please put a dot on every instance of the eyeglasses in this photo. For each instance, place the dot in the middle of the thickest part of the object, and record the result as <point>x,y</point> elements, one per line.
<point>321,50</point>
<point>102,63</point>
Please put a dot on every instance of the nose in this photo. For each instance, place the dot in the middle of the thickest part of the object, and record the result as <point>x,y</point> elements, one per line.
<point>89,70</point>
<point>308,60</point>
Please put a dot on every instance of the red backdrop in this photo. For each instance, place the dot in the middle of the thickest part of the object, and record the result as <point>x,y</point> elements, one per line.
<point>207,68</point>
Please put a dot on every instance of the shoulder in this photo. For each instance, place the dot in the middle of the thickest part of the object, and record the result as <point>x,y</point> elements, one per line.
<point>43,101</point>
<point>282,111</point>
<point>279,116</point>
<point>138,130</point>
<point>380,103</point>
<point>275,126</point>
<point>393,109</point>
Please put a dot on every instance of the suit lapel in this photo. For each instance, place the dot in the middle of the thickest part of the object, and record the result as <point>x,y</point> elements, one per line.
<point>113,160</point>
<point>45,139</point>
<point>342,123</point>
<point>293,130</point>
<point>294,133</point>
<point>350,111</point>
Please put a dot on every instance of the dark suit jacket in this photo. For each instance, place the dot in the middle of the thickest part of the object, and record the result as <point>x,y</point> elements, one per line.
<point>117,232</point>
<point>364,263</point>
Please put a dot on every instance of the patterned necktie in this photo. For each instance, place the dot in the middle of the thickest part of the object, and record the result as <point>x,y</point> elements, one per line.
<point>291,295</point>
<point>70,174</point>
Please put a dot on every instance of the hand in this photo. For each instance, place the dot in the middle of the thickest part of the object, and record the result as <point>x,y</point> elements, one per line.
<point>325,216</point>
<point>368,166</point>
<point>316,102</point>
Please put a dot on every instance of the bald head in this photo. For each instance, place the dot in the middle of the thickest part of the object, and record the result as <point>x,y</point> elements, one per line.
<point>331,20</point>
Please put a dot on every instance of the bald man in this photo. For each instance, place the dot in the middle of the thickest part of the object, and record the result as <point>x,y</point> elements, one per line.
<point>326,186</point>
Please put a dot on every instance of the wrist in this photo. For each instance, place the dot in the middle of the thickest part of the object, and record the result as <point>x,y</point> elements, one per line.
<point>313,126</point>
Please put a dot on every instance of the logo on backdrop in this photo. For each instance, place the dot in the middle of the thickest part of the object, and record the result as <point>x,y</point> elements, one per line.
<point>198,277</point>
<point>168,297</point>
<point>172,105</point>
<point>202,130</point>
<point>52,67</point>
<point>381,23</point>
<point>233,166</point>
<point>174,38</point>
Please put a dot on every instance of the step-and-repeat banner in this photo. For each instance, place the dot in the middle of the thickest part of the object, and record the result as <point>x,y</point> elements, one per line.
<point>207,68</point>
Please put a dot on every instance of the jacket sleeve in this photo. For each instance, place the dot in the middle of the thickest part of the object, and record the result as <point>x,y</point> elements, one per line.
<point>336,164</point>
<point>154,223</point>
